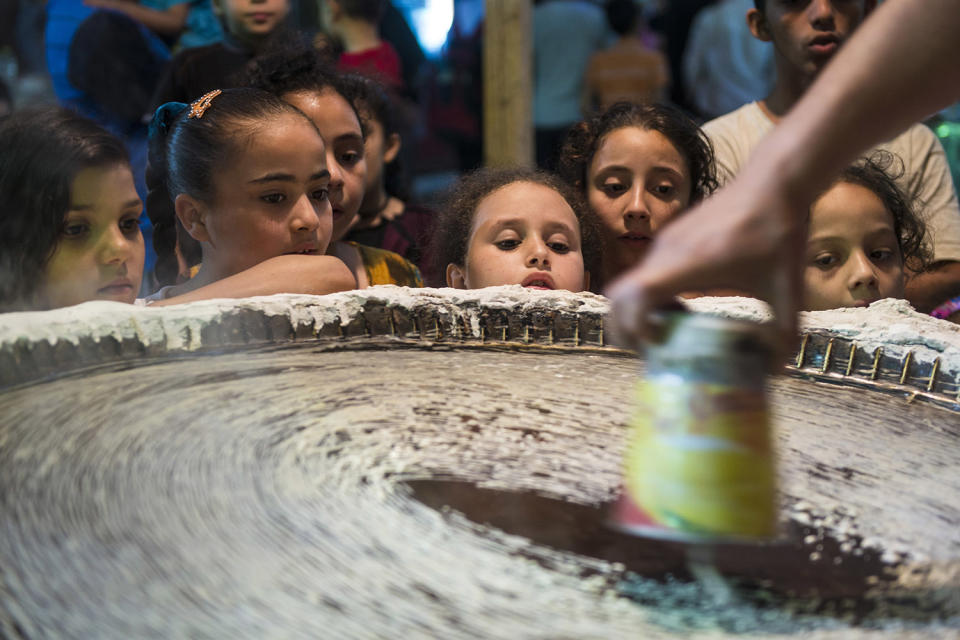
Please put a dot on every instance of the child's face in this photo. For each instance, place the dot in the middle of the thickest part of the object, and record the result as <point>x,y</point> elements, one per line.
<point>270,200</point>
<point>807,33</point>
<point>853,256</point>
<point>341,132</point>
<point>99,255</point>
<point>252,19</point>
<point>636,182</point>
<point>379,150</point>
<point>526,234</point>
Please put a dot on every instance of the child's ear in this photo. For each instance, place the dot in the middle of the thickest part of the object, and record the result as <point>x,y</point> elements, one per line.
<point>456,276</point>
<point>758,25</point>
<point>391,148</point>
<point>192,215</point>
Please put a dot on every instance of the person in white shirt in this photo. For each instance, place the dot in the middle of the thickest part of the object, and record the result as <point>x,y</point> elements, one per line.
<point>805,36</point>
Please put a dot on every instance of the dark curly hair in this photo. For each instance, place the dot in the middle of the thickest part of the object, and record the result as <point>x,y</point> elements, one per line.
<point>41,152</point>
<point>585,138</point>
<point>299,66</point>
<point>452,233</point>
<point>878,174</point>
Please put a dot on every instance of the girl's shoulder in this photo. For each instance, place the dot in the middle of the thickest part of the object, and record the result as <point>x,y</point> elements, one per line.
<point>387,267</point>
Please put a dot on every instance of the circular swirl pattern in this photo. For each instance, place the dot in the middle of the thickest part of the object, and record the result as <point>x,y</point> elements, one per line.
<point>274,493</point>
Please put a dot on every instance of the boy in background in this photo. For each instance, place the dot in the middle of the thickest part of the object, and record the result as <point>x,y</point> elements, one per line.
<point>805,36</point>
<point>248,25</point>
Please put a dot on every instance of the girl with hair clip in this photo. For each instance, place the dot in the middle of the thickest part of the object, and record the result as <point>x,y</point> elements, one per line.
<point>863,238</point>
<point>69,213</point>
<point>515,226</point>
<point>387,220</point>
<point>243,175</point>
<point>301,77</point>
<point>637,165</point>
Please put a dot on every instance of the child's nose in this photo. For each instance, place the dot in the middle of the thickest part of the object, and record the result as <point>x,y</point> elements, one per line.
<point>304,215</point>
<point>820,13</point>
<point>636,205</point>
<point>863,273</point>
<point>538,253</point>
<point>115,247</point>
<point>336,173</point>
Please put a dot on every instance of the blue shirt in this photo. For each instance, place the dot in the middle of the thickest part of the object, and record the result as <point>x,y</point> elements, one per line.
<point>202,26</point>
<point>565,34</point>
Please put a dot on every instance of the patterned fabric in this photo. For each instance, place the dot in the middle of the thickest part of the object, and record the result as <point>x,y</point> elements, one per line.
<point>387,267</point>
<point>408,234</point>
<point>947,309</point>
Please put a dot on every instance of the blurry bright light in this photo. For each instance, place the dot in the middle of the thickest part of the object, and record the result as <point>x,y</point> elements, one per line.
<point>432,22</point>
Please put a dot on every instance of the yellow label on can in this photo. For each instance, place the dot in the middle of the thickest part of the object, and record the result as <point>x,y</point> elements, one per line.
<point>700,459</point>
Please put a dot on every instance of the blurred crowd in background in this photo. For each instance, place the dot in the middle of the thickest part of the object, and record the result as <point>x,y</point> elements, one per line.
<point>696,54</point>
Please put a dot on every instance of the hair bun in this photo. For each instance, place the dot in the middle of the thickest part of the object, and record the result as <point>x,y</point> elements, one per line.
<point>164,116</point>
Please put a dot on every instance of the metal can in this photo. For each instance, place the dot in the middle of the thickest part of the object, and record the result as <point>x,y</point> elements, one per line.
<point>699,464</point>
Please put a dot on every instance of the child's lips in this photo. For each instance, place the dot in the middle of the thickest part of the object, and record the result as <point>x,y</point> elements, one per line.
<point>119,288</point>
<point>307,248</point>
<point>824,45</point>
<point>539,280</point>
<point>635,240</point>
<point>260,17</point>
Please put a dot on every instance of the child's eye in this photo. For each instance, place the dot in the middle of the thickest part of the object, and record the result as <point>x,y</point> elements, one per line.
<point>613,188</point>
<point>74,229</point>
<point>273,198</point>
<point>664,189</point>
<point>130,225</point>
<point>559,247</point>
<point>825,261</point>
<point>508,244</point>
<point>350,158</point>
<point>881,255</point>
<point>320,194</point>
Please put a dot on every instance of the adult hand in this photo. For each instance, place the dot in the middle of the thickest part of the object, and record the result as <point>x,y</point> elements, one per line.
<point>748,236</point>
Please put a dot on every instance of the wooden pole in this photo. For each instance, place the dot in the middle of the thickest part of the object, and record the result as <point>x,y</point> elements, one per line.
<point>508,83</point>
